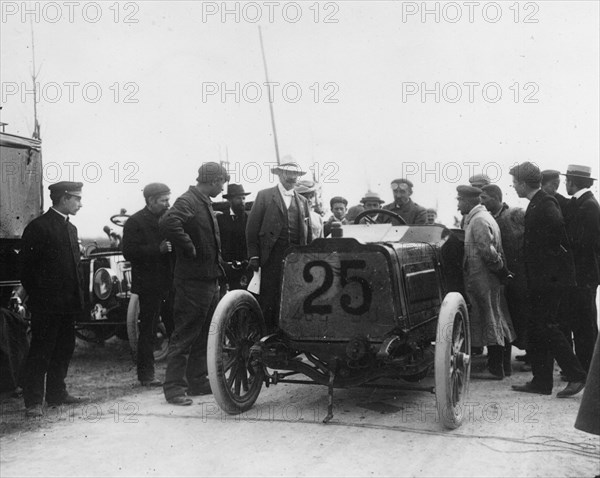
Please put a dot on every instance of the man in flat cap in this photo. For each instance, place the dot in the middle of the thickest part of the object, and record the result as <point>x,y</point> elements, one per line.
<point>232,227</point>
<point>280,217</point>
<point>52,278</point>
<point>152,277</point>
<point>190,225</point>
<point>479,180</point>
<point>583,230</point>
<point>339,207</point>
<point>549,271</point>
<point>550,185</point>
<point>485,270</point>
<point>511,221</point>
<point>403,205</point>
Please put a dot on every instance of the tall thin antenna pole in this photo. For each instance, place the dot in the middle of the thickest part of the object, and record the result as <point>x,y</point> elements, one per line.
<point>36,124</point>
<point>262,48</point>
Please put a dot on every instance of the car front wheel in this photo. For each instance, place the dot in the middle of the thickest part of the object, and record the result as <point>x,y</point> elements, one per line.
<point>235,378</point>
<point>452,360</point>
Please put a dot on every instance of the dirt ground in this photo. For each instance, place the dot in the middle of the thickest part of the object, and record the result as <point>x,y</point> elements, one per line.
<point>100,373</point>
<point>128,430</point>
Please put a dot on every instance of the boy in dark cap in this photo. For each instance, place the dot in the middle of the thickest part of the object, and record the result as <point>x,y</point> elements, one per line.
<point>549,270</point>
<point>50,273</point>
<point>149,255</point>
<point>190,225</point>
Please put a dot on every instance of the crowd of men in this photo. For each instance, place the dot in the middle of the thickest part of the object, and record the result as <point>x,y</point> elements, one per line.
<point>530,276</point>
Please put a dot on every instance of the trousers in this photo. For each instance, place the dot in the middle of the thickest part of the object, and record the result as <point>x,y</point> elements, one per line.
<point>195,301</point>
<point>50,352</point>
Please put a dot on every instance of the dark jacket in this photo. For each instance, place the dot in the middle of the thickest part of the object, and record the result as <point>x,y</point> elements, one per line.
<point>583,229</point>
<point>411,212</point>
<point>151,270</point>
<point>191,227</point>
<point>267,218</point>
<point>50,265</point>
<point>233,236</point>
<point>547,255</point>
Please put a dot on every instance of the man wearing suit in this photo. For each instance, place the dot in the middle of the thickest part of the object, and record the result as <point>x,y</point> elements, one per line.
<point>51,275</point>
<point>279,218</point>
<point>232,228</point>
<point>583,229</point>
<point>549,270</point>
<point>190,225</point>
<point>149,255</point>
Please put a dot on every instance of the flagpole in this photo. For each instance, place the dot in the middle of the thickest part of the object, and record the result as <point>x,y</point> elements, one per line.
<point>262,48</point>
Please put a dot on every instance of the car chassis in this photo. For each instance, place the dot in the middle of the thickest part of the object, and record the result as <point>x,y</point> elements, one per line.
<point>354,309</point>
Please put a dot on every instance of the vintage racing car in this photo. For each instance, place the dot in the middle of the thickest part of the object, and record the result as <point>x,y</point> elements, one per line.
<point>373,303</point>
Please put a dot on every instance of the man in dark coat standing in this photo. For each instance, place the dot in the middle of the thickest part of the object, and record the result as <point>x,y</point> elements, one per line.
<point>583,229</point>
<point>51,275</point>
<point>232,228</point>
<point>190,225</point>
<point>151,273</point>
<point>280,217</point>
<point>549,269</point>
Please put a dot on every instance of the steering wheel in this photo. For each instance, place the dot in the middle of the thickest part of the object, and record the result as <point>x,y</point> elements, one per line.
<point>119,219</point>
<point>367,213</point>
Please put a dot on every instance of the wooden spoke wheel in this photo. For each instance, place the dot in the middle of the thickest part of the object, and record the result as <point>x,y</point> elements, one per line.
<point>235,379</point>
<point>452,360</point>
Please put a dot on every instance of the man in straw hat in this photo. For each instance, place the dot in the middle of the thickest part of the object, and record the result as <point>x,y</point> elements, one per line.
<point>232,227</point>
<point>190,225</point>
<point>549,271</point>
<point>372,200</point>
<point>151,275</point>
<point>280,217</point>
<point>583,230</point>
<point>51,275</point>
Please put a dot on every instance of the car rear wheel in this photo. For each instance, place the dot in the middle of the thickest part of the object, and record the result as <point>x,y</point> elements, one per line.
<point>452,360</point>
<point>237,324</point>
<point>161,340</point>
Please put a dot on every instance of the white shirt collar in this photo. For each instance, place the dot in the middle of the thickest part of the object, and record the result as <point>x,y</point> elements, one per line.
<point>285,192</point>
<point>580,193</point>
<point>58,212</point>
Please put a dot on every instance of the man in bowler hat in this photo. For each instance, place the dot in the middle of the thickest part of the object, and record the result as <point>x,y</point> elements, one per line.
<point>190,225</point>
<point>51,276</point>
<point>150,259</point>
<point>549,270</point>
<point>280,217</point>
<point>232,228</point>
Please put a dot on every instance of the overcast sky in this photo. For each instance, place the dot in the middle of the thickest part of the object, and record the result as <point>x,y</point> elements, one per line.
<point>137,92</point>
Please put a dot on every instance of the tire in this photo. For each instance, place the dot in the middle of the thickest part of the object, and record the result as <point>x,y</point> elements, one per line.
<point>452,360</point>
<point>236,325</point>
<point>161,347</point>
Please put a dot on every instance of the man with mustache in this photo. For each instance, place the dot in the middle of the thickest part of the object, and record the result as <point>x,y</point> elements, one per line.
<point>280,217</point>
